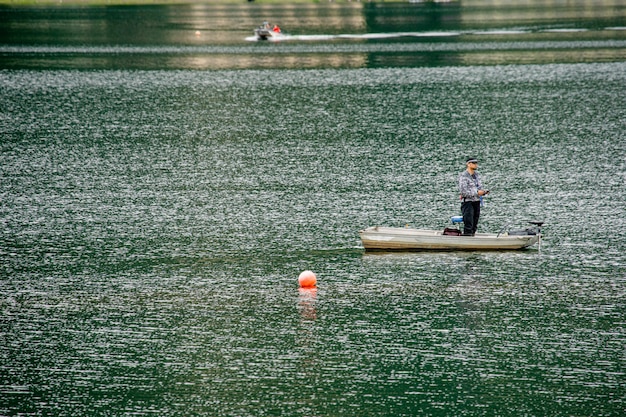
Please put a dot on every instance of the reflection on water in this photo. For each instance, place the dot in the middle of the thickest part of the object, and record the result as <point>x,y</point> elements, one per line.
<point>307,55</point>
<point>352,35</point>
<point>306,303</point>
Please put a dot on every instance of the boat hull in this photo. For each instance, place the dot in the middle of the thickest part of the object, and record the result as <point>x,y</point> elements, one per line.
<point>263,34</point>
<point>409,239</point>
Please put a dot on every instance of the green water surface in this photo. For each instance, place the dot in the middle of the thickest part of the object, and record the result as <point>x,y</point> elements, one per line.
<point>160,195</point>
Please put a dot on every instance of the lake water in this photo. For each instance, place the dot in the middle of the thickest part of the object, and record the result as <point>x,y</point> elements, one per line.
<point>161,191</point>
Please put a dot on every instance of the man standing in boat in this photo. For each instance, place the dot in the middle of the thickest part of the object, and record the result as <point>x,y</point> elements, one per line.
<point>472,192</point>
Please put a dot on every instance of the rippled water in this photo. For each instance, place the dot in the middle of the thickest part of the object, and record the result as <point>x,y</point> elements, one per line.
<point>154,223</point>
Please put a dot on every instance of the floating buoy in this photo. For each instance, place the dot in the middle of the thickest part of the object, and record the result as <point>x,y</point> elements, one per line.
<point>197,33</point>
<point>307,279</point>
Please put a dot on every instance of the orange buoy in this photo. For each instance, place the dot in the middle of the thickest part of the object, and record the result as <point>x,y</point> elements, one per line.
<point>307,279</point>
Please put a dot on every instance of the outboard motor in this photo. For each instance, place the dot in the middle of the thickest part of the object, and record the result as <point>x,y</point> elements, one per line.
<point>535,230</point>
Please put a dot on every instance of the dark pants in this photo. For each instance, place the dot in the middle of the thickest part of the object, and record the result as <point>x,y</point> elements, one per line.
<point>471,213</point>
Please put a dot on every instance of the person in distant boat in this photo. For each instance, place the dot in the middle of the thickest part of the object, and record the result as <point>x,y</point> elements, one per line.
<point>276,29</point>
<point>472,193</point>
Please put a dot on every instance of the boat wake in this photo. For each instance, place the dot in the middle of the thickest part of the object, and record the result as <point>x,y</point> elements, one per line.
<point>431,34</point>
<point>364,36</point>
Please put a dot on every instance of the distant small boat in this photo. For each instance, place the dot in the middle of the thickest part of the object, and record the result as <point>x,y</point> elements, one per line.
<point>266,31</point>
<point>410,239</point>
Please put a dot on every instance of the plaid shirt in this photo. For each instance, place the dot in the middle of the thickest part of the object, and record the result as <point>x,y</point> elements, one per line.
<point>469,186</point>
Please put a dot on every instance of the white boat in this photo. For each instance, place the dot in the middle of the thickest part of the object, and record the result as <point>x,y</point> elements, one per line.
<point>408,239</point>
<point>265,32</point>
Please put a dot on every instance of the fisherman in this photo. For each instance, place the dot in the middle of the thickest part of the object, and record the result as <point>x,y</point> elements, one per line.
<point>472,193</point>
